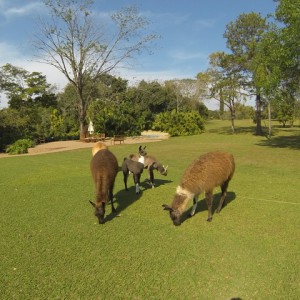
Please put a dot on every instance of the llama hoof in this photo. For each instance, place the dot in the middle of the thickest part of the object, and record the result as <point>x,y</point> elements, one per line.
<point>209,219</point>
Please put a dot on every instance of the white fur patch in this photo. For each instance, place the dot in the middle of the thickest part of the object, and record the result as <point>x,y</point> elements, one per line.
<point>185,192</point>
<point>137,188</point>
<point>142,159</point>
<point>194,208</point>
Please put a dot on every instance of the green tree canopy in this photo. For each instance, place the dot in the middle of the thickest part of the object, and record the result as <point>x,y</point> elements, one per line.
<point>26,89</point>
<point>82,49</point>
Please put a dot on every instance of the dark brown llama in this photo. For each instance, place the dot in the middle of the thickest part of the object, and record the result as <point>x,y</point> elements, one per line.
<point>104,168</point>
<point>203,175</point>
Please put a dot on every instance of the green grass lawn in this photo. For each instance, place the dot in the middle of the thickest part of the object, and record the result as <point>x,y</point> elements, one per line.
<point>52,246</point>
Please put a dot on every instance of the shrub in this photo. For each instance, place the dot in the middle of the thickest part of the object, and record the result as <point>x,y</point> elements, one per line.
<point>179,124</point>
<point>20,146</point>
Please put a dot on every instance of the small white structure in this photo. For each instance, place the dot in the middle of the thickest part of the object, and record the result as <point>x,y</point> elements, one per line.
<point>91,128</point>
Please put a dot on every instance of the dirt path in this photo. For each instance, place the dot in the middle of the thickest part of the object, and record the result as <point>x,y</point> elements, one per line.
<point>146,137</point>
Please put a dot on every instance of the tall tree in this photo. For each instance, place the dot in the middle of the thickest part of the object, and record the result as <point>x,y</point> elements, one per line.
<point>243,36</point>
<point>82,50</point>
<point>186,90</point>
<point>288,13</point>
<point>225,82</point>
<point>277,62</point>
<point>26,89</point>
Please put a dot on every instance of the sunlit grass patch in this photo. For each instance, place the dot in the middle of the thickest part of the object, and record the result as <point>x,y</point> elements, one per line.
<point>52,246</point>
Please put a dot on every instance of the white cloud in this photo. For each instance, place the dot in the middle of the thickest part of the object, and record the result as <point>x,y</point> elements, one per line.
<point>134,76</point>
<point>13,55</point>
<point>24,10</point>
<point>8,52</point>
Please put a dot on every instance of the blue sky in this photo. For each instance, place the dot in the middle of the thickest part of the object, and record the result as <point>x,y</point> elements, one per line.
<point>190,31</point>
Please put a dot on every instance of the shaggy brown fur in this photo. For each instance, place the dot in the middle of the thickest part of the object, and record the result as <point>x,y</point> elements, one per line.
<point>98,146</point>
<point>104,168</point>
<point>203,175</point>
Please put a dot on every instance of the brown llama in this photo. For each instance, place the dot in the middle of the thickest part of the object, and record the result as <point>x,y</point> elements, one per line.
<point>98,146</point>
<point>104,168</point>
<point>203,175</point>
<point>150,163</point>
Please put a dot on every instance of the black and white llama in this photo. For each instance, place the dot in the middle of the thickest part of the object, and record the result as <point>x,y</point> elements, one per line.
<point>150,163</point>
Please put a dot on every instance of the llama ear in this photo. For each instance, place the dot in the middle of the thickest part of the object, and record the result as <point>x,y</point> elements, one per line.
<point>167,207</point>
<point>93,203</point>
<point>145,147</point>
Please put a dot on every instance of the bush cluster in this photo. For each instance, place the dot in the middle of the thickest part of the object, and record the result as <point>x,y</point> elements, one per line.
<point>20,146</point>
<point>179,124</point>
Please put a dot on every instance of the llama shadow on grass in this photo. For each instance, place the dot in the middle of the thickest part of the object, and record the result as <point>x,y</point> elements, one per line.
<point>157,183</point>
<point>124,198</point>
<point>202,206</point>
<point>291,142</point>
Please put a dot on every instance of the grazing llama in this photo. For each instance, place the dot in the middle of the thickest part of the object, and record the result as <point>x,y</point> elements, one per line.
<point>203,175</point>
<point>104,168</point>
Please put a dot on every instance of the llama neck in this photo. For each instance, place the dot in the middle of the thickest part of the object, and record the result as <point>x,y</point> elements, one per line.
<point>184,192</point>
<point>141,159</point>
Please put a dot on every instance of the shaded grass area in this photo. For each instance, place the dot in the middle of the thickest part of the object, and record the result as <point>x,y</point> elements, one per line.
<point>52,247</point>
<point>288,137</point>
<point>292,141</point>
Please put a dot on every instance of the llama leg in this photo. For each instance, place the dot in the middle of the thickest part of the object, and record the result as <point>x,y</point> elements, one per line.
<point>125,177</point>
<point>151,175</point>
<point>136,182</point>
<point>209,198</point>
<point>100,212</point>
<point>137,188</point>
<point>195,199</point>
<point>223,195</point>
<point>110,197</point>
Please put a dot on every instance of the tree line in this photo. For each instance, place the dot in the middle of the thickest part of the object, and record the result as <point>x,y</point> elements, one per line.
<point>36,111</point>
<point>262,62</point>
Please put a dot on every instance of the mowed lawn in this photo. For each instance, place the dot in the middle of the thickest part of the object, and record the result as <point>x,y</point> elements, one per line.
<point>52,247</point>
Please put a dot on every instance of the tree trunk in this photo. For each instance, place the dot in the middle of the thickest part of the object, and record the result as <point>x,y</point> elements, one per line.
<point>222,106</point>
<point>232,113</point>
<point>177,103</point>
<point>269,116</point>
<point>258,115</point>
<point>82,113</point>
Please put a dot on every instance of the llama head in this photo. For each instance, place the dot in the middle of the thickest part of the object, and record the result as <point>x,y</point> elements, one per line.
<point>142,151</point>
<point>179,203</point>
<point>163,170</point>
<point>99,211</point>
<point>174,214</point>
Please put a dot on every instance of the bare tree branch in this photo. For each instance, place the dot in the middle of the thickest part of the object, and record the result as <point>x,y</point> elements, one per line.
<point>81,50</point>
